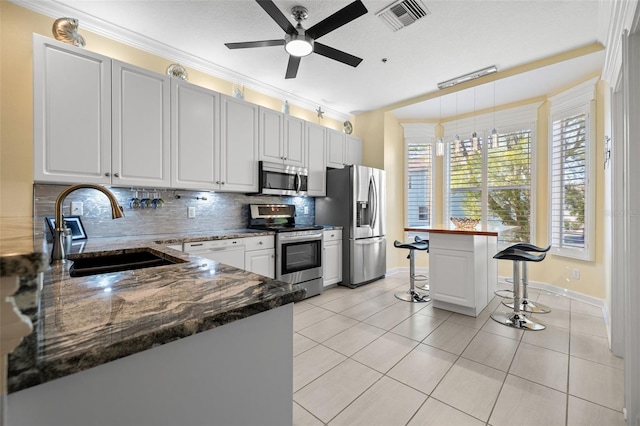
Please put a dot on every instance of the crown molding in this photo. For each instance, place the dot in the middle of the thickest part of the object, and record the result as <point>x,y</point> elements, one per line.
<point>620,16</point>
<point>122,35</point>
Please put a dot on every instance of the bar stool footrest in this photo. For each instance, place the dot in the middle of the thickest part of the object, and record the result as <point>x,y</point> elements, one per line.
<point>503,293</point>
<point>527,305</point>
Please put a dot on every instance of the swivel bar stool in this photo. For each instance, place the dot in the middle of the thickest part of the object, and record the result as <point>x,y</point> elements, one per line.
<point>424,287</point>
<point>527,305</point>
<point>412,295</point>
<point>517,319</point>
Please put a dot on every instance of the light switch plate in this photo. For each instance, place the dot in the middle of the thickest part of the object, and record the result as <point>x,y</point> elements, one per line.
<point>191,212</point>
<point>77,208</point>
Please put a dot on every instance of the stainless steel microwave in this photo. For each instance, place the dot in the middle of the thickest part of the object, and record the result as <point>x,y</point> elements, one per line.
<point>280,179</point>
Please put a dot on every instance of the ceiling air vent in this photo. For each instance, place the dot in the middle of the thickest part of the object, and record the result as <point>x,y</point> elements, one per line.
<point>401,13</point>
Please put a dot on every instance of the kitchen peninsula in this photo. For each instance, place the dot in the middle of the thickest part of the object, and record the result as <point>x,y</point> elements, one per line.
<point>194,342</point>
<point>463,274</point>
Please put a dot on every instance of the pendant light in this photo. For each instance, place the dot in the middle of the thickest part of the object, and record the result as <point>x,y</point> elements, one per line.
<point>440,143</point>
<point>474,136</point>
<point>456,138</point>
<point>494,132</point>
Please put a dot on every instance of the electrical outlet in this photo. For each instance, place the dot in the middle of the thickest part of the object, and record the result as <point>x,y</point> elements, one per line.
<point>306,209</point>
<point>576,274</point>
<point>77,208</point>
<point>191,212</point>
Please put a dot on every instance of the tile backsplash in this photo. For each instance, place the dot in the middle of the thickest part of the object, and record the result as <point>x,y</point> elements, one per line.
<point>215,211</point>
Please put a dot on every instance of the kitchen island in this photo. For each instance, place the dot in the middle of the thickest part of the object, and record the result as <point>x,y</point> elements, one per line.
<point>463,274</point>
<point>195,342</point>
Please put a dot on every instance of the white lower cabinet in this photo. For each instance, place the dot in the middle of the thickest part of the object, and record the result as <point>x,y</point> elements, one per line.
<point>332,257</point>
<point>260,255</point>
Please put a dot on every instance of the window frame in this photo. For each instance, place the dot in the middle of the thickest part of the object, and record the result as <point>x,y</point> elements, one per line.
<point>575,101</point>
<point>421,133</point>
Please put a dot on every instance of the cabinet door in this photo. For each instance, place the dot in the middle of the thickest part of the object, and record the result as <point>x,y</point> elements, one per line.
<point>140,127</point>
<point>294,152</point>
<point>271,135</point>
<point>72,113</point>
<point>451,276</point>
<point>332,262</point>
<point>261,262</point>
<point>238,145</point>
<point>335,149</point>
<point>316,160</point>
<point>353,147</point>
<point>195,136</point>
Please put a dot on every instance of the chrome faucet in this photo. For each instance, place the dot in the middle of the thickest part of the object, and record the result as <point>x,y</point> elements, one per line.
<point>58,254</point>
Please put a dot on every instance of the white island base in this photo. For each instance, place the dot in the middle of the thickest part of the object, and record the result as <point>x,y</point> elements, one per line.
<point>236,374</point>
<point>463,275</point>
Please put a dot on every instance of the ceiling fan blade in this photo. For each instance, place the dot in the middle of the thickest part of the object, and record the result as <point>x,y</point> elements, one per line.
<point>292,68</point>
<point>275,13</point>
<point>338,19</point>
<point>261,43</point>
<point>335,54</point>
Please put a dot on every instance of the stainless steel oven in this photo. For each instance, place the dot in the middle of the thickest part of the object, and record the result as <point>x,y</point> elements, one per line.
<point>298,246</point>
<point>299,259</point>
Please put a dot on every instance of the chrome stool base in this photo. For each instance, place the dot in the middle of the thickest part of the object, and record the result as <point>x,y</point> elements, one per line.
<point>527,305</point>
<point>517,320</point>
<point>413,296</point>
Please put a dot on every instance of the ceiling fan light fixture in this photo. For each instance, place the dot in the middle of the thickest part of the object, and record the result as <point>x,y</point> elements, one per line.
<point>298,44</point>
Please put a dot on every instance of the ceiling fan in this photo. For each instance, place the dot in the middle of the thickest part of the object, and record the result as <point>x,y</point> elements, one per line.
<point>299,42</point>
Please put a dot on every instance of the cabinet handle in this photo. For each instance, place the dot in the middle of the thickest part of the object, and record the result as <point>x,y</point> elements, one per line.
<point>116,174</point>
<point>107,174</point>
<point>217,182</point>
<point>260,243</point>
<point>222,183</point>
<point>332,235</point>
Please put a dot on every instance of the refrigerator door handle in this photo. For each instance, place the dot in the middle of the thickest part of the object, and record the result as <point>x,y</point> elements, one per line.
<point>368,241</point>
<point>374,202</point>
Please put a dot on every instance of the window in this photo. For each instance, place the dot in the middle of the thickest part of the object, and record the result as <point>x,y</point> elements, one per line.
<point>492,180</point>
<point>493,184</point>
<point>570,183</point>
<point>419,174</point>
<point>509,184</point>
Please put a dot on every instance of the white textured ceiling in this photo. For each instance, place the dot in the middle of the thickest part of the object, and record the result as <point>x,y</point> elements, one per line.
<point>459,36</point>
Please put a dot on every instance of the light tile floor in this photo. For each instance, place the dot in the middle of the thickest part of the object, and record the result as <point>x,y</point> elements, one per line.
<point>363,357</point>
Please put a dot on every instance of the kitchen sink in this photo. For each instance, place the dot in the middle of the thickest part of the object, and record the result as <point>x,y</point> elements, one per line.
<point>116,262</point>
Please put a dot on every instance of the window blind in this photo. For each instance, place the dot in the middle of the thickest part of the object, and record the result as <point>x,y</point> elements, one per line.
<point>569,180</point>
<point>491,181</point>
<point>419,182</point>
<point>509,184</point>
<point>465,180</point>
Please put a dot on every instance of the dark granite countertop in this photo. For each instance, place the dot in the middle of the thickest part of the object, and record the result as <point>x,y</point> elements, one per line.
<point>84,322</point>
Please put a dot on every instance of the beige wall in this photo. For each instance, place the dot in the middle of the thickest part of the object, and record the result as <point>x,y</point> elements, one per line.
<point>16,102</point>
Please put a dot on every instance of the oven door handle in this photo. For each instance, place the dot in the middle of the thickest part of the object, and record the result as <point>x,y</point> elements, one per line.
<point>312,237</point>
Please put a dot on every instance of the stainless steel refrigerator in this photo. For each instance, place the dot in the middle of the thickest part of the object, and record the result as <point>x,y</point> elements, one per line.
<point>356,201</point>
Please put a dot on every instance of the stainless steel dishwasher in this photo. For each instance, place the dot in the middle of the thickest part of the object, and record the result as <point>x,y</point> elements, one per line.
<point>229,252</point>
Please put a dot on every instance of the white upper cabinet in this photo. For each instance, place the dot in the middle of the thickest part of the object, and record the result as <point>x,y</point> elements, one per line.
<point>335,149</point>
<point>238,145</point>
<point>195,137</point>
<point>316,159</point>
<point>343,149</point>
<point>353,147</point>
<point>294,141</point>
<point>140,135</point>
<point>281,138</point>
<point>72,113</point>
